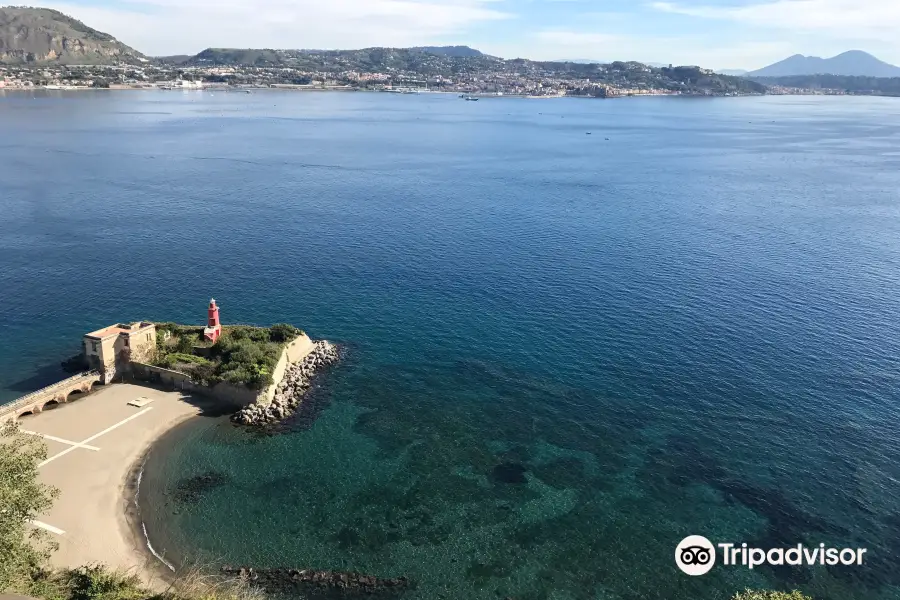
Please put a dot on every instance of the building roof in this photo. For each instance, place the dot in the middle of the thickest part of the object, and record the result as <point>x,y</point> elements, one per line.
<point>118,329</point>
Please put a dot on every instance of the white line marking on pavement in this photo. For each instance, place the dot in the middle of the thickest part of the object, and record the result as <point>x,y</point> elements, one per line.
<point>61,440</point>
<point>96,435</point>
<point>49,528</point>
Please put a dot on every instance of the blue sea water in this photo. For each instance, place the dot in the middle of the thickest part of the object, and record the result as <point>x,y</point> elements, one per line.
<point>564,352</point>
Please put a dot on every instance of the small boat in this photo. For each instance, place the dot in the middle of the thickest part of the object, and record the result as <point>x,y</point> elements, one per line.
<point>471,99</point>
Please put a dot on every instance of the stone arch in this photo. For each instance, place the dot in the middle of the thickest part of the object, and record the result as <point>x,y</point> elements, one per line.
<point>73,392</point>
<point>52,403</point>
<point>27,413</point>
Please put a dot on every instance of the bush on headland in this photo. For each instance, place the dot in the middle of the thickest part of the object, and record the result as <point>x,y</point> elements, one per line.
<point>283,332</point>
<point>243,356</point>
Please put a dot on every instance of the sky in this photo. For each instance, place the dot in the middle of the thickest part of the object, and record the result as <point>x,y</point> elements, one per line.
<point>718,34</point>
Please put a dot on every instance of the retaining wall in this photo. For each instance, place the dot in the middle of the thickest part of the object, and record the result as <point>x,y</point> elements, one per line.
<point>293,352</point>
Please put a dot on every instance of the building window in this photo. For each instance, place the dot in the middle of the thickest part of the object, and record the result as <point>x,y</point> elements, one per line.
<point>93,346</point>
<point>126,342</point>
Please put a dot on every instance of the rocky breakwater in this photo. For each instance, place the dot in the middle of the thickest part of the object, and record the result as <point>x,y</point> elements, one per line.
<point>283,581</point>
<point>289,393</point>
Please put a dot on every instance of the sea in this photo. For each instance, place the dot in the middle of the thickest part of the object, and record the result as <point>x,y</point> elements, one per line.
<point>574,331</point>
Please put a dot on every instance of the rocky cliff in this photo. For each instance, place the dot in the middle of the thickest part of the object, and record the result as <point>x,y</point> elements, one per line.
<point>42,35</point>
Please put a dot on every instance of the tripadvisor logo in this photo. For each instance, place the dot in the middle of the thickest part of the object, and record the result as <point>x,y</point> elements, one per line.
<point>696,555</point>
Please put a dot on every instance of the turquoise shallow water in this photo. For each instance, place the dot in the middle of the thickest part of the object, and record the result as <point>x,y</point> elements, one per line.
<point>563,353</point>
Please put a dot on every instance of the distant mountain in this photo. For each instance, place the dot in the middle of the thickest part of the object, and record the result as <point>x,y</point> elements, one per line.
<point>591,61</point>
<point>173,60</point>
<point>854,63</point>
<point>455,51</point>
<point>365,60</point>
<point>260,57</point>
<point>42,35</point>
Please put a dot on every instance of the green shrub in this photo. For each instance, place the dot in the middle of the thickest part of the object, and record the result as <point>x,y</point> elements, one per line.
<point>98,582</point>
<point>237,333</point>
<point>282,332</point>
<point>767,595</point>
<point>185,343</point>
<point>205,374</point>
<point>170,327</point>
<point>245,360</point>
<point>162,344</point>
<point>246,332</point>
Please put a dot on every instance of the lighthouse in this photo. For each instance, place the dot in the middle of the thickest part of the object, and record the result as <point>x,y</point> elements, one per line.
<point>213,328</point>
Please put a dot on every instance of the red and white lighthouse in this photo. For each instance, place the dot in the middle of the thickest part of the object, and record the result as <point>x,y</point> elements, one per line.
<point>213,328</point>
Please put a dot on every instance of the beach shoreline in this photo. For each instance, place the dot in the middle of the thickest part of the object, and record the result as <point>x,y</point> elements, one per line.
<point>97,446</point>
<point>158,573</point>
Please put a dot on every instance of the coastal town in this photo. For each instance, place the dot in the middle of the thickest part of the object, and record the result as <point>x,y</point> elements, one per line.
<point>615,80</point>
<point>248,78</point>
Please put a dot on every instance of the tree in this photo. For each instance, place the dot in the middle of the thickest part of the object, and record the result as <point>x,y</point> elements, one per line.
<point>23,548</point>
<point>185,344</point>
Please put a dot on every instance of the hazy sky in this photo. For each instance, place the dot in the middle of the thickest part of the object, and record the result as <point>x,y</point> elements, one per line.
<point>712,33</point>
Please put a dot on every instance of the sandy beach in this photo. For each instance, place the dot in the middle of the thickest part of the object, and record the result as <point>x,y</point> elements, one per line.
<point>95,446</point>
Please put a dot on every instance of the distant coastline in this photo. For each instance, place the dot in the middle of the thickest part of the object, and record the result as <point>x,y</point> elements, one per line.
<point>251,89</point>
<point>774,90</point>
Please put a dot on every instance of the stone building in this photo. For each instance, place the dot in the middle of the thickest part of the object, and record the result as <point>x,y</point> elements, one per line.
<point>110,349</point>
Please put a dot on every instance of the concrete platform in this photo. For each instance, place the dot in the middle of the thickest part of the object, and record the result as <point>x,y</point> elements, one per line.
<point>93,444</point>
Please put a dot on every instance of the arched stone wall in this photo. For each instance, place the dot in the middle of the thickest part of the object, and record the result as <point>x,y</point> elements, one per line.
<point>59,393</point>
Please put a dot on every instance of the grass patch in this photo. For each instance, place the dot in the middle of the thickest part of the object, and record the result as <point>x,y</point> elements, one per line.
<point>97,582</point>
<point>170,360</point>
